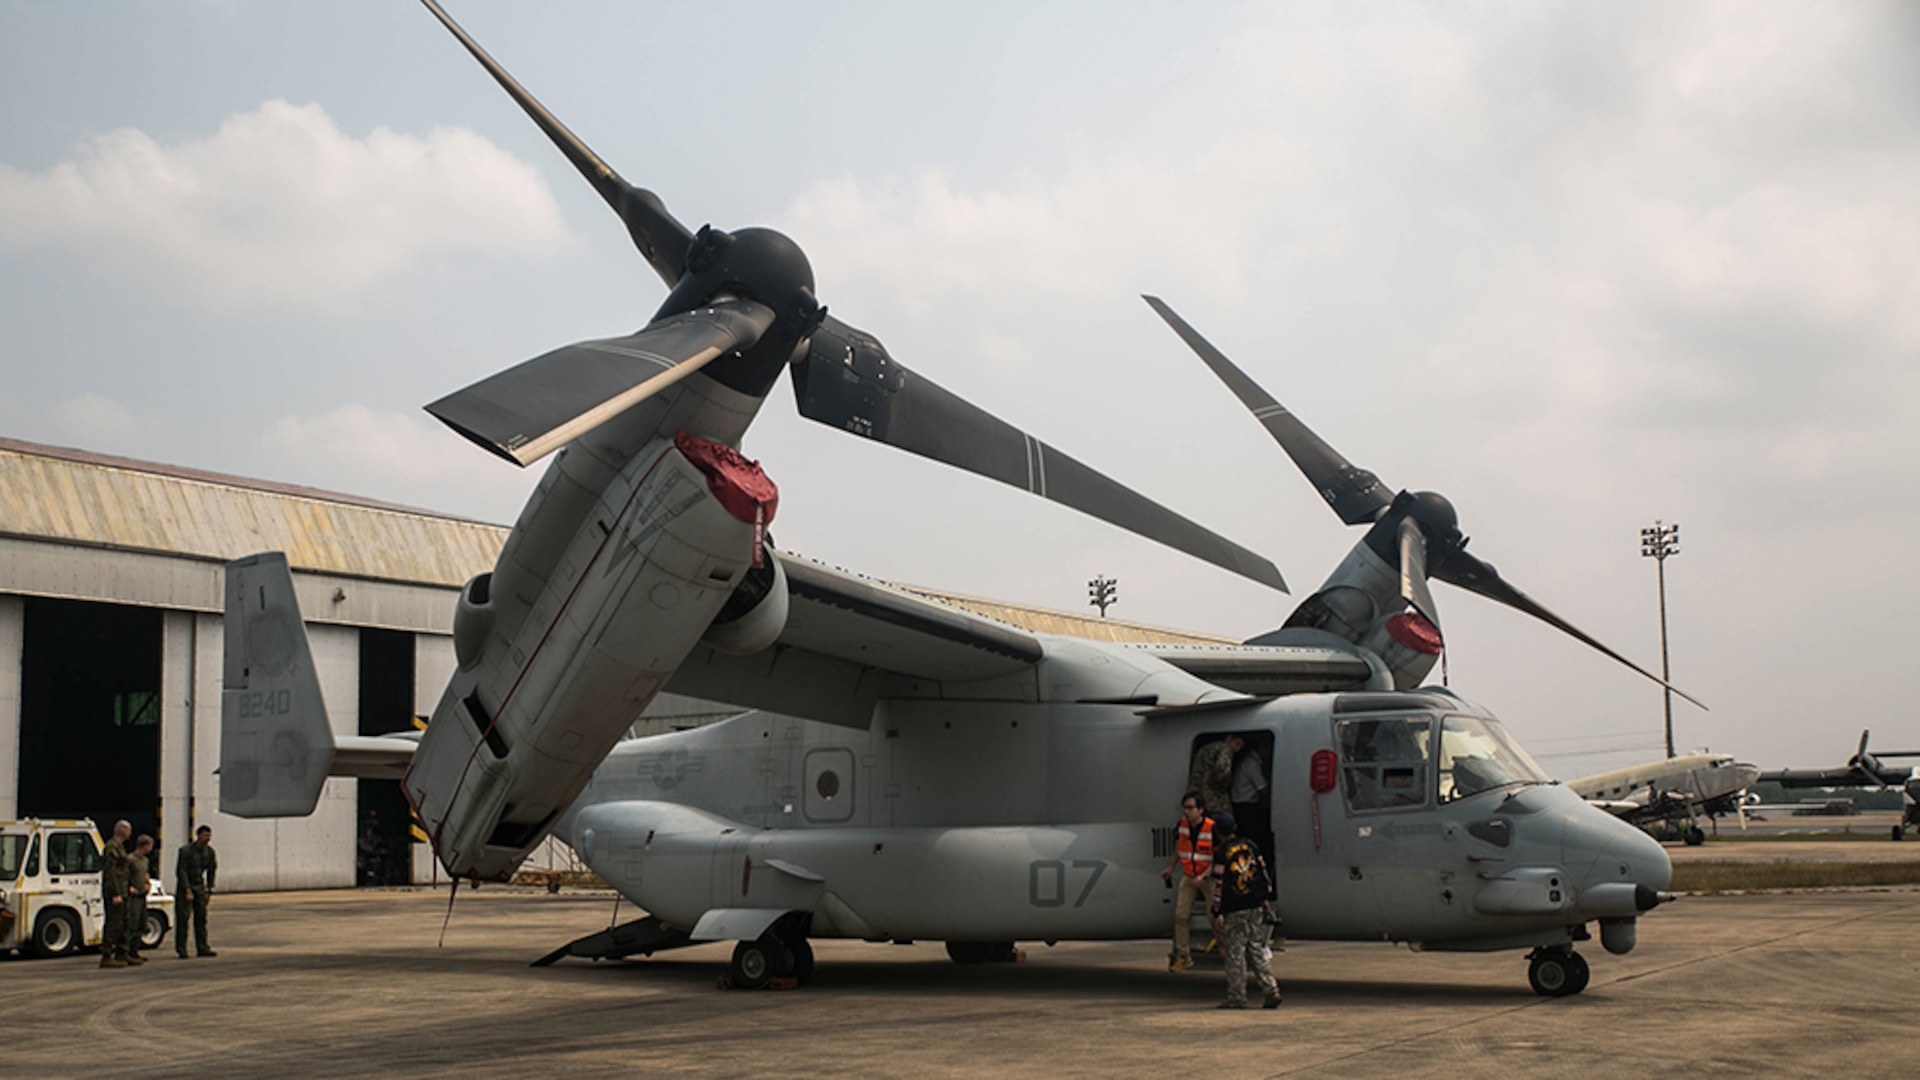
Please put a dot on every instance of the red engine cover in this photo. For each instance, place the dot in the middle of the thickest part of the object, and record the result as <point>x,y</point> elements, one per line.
<point>739,484</point>
<point>1411,629</point>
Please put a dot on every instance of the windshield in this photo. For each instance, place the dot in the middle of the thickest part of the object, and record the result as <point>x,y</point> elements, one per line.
<point>1478,755</point>
<point>13,852</point>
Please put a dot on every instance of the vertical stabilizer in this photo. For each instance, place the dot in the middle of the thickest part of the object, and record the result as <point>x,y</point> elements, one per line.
<point>275,745</point>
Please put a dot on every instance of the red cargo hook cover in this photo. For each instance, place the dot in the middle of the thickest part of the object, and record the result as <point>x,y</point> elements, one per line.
<point>739,484</point>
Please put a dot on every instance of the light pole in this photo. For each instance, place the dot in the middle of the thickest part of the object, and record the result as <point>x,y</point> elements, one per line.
<point>1657,543</point>
<point>1101,590</point>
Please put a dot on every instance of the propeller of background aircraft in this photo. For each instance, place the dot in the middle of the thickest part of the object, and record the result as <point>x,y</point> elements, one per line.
<point>741,307</point>
<point>1417,531</point>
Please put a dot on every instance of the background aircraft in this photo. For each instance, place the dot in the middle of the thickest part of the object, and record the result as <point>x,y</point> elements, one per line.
<point>1864,769</point>
<point>1684,788</point>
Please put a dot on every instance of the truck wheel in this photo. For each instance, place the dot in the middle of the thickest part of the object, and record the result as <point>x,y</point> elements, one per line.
<point>155,930</point>
<point>55,933</point>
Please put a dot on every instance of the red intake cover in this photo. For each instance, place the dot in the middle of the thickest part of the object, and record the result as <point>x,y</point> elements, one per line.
<point>1410,628</point>
<point>738,483</point>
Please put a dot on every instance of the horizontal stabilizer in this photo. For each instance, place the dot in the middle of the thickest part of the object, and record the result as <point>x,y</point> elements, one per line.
<point>536,407</point>
<point>276,748</point>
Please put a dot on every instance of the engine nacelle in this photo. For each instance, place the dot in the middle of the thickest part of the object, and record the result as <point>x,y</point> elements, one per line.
<point>754,616</point>
<point>473,620</point>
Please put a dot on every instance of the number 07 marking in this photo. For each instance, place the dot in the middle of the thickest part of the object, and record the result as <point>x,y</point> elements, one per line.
<point>1047,881</point>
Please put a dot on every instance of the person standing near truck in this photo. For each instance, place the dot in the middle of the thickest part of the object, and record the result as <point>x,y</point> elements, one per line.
<point>193,874</point>
<point>114,882</point>
<point>139,879</point>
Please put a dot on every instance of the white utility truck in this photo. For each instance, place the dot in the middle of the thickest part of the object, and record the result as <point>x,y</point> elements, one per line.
<point>50,889</point>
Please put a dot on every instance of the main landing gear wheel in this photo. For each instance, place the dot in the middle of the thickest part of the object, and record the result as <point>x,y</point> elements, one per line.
<point>1558,973</point>
<point>760,961</point>
<point>1694,836</point>
<point>802,960</point>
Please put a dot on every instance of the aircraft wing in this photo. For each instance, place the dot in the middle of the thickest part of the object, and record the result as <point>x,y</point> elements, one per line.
<point>850,640</point>
<point>1267,670</point>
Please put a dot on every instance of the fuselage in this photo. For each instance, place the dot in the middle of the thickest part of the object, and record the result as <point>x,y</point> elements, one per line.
<point>1050,821</point>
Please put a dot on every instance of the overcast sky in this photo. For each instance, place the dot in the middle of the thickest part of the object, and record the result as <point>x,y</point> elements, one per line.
<point>1577,266</point>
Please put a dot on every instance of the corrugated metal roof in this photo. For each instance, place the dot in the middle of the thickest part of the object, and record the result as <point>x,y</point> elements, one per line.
<point>60,494</point>
<point>54,493</point>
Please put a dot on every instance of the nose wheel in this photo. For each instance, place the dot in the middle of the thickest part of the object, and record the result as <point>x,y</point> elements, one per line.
<point>1559,972</point>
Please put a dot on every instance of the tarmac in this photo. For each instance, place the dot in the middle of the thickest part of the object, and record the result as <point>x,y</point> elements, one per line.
<point>353,983</point>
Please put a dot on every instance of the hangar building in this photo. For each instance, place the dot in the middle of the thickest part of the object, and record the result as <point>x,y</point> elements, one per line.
<point>111,588</point>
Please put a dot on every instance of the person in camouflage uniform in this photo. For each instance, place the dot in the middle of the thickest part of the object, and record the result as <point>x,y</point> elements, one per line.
<point>1212,772</point>
<point>193,873</point>
<point>1242,898</point>
<point>113,896</point>
<point>138,881</point>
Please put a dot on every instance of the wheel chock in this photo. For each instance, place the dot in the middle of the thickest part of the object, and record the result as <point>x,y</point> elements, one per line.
<point>785,982</point>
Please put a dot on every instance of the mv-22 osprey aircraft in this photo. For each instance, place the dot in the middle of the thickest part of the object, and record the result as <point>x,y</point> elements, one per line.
<point>921,772</point>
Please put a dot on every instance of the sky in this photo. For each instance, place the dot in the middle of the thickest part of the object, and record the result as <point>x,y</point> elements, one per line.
<point>1577,266</point>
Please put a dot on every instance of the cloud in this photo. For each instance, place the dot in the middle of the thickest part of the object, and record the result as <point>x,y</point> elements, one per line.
<point>279,208</point>
<point>103,423</point>
<point>399,456</point>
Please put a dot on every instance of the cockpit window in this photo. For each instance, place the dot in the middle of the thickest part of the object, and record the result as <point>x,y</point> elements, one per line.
<point>1385,761</point>
<point>1478,755</point>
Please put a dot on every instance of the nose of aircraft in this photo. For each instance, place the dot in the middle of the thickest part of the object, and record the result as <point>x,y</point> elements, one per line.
<point>1612,850</point>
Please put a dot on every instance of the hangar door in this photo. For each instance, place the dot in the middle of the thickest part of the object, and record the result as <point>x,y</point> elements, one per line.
<point>383,852</point>
<point>90,713</point>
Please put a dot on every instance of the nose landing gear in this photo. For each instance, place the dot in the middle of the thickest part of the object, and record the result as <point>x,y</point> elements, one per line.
<point>1557,972</point>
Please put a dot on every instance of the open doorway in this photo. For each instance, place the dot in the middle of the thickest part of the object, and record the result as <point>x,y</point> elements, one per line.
<point>383,853</point>
<point>90,713</point>
<point>1233,772</point>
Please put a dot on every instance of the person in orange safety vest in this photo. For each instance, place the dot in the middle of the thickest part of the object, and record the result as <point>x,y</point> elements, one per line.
<point>1193,862</point>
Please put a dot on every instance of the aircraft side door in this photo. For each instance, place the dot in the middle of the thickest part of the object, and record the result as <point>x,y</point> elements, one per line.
<point>1395,842</point>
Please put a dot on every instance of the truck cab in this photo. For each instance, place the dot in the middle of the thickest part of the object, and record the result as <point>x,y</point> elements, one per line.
<point>50,901</point>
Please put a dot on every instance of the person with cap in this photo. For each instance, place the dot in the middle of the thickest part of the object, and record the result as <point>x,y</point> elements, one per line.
<point>1243,901</point>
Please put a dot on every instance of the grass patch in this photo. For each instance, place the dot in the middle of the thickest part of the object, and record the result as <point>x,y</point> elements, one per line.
<point>1709,877</point>
<point>1878,833</point>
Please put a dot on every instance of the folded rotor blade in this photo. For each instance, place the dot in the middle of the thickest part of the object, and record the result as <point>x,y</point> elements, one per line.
<point>1355,494</point>
<point>660,238</point>
<point>848,381</point>
<point>1471,574</point>
<point>1413,570</point>
<point>533,408</point>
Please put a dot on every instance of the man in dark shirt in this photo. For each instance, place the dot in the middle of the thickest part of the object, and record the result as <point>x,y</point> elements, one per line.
<point>193,873</point>
<point>1242,898</point>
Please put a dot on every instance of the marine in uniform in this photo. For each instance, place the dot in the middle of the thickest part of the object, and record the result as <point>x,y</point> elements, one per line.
<point>113,896</point>
<point>139,879</point>
<point>1212,773</point>
<point>193,873</point>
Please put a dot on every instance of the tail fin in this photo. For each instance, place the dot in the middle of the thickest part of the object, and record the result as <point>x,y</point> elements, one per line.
<point>276,748</point>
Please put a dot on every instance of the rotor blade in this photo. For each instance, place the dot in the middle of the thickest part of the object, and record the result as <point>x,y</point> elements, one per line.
<point>533,408</point>
<point>1413,570</point>
<point>1471,574</point>
<point>847,380</point>
<point>1355,494</point>
<point>660,238</point>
